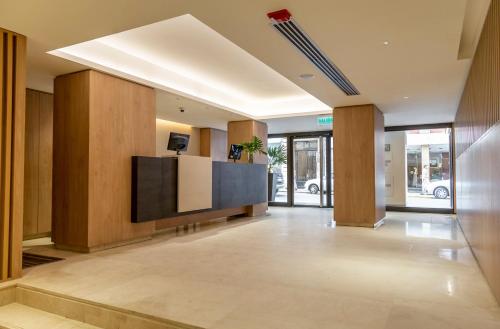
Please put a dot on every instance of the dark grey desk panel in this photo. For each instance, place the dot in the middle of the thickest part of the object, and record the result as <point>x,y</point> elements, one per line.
<point>154,187</point>
<point>239,184</point>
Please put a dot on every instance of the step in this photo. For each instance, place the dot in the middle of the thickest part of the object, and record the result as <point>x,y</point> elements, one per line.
<point>25,307</point>
<point>19,316</point>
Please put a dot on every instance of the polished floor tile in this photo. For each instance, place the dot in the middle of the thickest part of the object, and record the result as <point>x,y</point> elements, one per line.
<point>18,316</point>
<point>291,269</point>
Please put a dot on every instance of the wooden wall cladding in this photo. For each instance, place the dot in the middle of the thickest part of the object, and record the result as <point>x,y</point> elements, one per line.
<point>38,164</point>
<point>12,124</point>
<point>100,122</point>
<point>213,143</point>
<point>479,107</point>
<point>478,209</point>
<point>477,144</point>
<point>358,137</point>
<point>243,131</point>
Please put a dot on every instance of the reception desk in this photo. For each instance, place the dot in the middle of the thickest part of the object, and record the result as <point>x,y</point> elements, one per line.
<point>161,186</point>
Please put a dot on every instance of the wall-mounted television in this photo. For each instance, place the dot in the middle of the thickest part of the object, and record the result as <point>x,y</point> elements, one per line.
<point>235,152</point>
<point>178,142</point>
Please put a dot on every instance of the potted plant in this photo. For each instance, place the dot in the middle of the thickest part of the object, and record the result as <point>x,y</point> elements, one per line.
<point>252,147</point>
<point>277,158</point>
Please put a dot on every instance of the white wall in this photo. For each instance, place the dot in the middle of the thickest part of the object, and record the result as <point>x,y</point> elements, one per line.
<point>395,169</point>
<point>295,124</point>
<point>163,129</point>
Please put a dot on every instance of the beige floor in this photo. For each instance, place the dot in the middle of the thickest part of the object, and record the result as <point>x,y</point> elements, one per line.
<point>291,270</point>
<point>17,316</point>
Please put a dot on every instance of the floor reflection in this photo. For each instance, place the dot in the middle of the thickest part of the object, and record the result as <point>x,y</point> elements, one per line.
<point>445,231</point>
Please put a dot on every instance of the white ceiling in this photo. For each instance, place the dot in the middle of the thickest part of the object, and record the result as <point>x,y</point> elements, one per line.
<point>420,61</point>
<point>184,55</point>
<point>295,124</point>
<point>196,114</point>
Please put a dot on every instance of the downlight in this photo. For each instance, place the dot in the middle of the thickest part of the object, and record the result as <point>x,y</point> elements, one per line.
<point>284,23</point>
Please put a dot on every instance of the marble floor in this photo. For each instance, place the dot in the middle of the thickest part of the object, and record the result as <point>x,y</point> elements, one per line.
<point>291,269</point>
<point>22,317</point>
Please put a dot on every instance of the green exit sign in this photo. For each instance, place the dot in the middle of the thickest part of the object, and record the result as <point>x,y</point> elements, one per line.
<point>324,120</point>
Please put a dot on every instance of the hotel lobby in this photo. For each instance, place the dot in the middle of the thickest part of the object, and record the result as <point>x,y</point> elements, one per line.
<point>249,164</point>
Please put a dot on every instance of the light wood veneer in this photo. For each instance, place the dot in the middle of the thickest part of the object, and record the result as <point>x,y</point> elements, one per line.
<point>358,137</point>
<point>12,137</point>
<point>38,164</point>
<point>100,122</point>
<point>213,143</point>
<point>477,144</point>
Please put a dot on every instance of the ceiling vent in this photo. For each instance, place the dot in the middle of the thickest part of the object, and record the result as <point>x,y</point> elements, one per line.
<point>284,23</point>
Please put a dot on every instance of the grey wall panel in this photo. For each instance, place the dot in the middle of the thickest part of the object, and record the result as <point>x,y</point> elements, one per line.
<point>146,188</point>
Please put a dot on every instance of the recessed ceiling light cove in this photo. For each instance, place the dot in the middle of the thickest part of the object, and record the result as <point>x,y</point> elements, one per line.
<point>172,55</point>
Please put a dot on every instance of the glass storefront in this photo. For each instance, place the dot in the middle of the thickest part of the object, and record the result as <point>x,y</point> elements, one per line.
<point>310,182</point>
<point>418,168</point>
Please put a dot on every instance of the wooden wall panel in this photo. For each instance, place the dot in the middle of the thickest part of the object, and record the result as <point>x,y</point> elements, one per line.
<point>213,143</point>
<point>38,164</point>
<point>70,176</point>
<point>30,221</point>
<point>243,131</point>
<point>12,124</point>
<point>122,124</point>
<point>100,122</point>
<point>477,145</point>
<point>379,151</point>
<point>479,107</point>
<point>45,163</point>
<point>359,165</point>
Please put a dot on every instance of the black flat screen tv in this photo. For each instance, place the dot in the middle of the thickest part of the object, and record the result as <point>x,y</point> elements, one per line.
<point>235,152</point>
<point>178,142</point>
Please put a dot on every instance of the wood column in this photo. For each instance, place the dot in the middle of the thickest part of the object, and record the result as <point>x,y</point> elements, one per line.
<point>358,139</point>
<point>243,131</point>
<point>213,143</point>
<point>12,111</point>
<point>100,122</point>
<point>38,166</point>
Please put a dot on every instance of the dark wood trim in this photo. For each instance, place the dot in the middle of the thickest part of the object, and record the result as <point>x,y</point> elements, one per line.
<point>421,210</point>
<point>290,165</point>
<point>329,158</point>
<point>452,168</point>
<point>289,176</point>
<point>303,134</point>
<point>420,127</point>
<point>278,204</point>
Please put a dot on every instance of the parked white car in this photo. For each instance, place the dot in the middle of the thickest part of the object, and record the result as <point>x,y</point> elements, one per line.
<point>312,185</point>
<point>440,189</point>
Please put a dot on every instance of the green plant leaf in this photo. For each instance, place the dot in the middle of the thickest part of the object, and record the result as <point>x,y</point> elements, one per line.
<point>277,156</point>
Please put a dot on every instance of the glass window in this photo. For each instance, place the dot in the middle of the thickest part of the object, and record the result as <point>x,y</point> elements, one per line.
<point>280,173</point>
<point>417,168</point>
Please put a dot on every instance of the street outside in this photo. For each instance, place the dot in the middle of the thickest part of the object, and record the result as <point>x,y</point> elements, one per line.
<point>303,197</point>
<point>426,201</point>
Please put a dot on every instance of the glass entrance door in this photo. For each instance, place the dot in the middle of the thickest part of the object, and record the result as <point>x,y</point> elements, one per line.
<point>311,178</point>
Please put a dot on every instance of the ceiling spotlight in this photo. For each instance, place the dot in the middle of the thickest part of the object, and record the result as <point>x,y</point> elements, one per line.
<point>181,109</point>
<point>386,43</point>
<point>306,76</point>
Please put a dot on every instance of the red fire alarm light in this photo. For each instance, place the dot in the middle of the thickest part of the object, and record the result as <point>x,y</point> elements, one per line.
<point>280,16</point>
